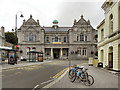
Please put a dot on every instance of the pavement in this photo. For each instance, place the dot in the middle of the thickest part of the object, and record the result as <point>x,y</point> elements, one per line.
<point>103,79</point>
<point>21,64</point>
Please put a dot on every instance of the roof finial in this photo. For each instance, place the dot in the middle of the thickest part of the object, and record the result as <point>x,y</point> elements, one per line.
<point>75,21</point>
<point>88,21</point>
<point>31,16</point>
<point>81,16</point>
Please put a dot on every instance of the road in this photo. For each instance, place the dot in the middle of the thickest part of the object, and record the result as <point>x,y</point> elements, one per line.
<point>34,76</point>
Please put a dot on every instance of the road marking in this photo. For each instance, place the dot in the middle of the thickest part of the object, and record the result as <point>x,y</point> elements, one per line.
<point>47,81</point>
<point>56,80</point>
<point>61,72</point>
<point>35,87</point>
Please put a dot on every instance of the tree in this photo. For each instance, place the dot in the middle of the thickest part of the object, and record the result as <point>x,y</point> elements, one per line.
<point>11,37</point>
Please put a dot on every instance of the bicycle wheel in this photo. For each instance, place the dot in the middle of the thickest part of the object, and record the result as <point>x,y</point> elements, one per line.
<point>73,76</point>
<point>89,80</point>
<point>70,73</point>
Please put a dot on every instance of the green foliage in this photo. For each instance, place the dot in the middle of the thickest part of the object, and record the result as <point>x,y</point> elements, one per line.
<point>11,38</point>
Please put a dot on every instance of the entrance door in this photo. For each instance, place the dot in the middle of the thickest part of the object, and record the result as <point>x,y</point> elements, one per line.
<point>56,53</point>
<point>110,57</point>
<point>110,60</point>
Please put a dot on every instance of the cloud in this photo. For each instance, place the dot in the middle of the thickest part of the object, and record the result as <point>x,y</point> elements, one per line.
<point>65,11</point>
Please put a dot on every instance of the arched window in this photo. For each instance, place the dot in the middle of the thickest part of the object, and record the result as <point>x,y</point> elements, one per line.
<point>79,51</point>
<point>26,37</point>
<point>35,38</point>
<point>111,24</point>
<point>65,39</point>
<point>81,37</point>
<point>102,34</point>
<point>31,37</point>
<point>56,39</point>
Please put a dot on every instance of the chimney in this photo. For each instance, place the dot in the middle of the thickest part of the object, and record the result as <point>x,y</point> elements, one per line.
<point>3,31</point>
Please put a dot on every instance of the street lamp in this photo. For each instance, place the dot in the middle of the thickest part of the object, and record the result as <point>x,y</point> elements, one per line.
<point>16,20</point>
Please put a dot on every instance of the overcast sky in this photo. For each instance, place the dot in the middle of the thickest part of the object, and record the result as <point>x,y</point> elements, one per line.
<point>65,11</point>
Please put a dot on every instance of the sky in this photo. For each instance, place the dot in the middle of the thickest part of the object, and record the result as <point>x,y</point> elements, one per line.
<point>65,11</point>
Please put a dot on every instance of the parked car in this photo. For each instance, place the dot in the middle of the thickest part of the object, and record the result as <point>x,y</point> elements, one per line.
<point>23,59</point>
<point>100,64</point>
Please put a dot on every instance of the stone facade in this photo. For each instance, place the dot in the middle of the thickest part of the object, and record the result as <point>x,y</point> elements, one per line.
<point>2,36</point>
<point>109,36</point>
<point>76,42</point>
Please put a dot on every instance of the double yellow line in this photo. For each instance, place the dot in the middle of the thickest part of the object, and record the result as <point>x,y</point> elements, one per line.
<point>60,73</point>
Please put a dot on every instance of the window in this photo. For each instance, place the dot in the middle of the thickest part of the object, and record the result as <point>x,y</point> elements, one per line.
<point>47,39</point>
<point>111,24</point>
<point>119,17</point>
<point>59,39</point>
<point>77,38</point>
<point>56,39</point>
<point>84,52</point>
<point>102,34</point>
<point>65,39</point>
<point>26,37</point>
<point>79,51</point>
<point>52,39</point>
<point>81,37</point>
<point>31,37</point>
<point>35,38</point>
<point>85,38</point>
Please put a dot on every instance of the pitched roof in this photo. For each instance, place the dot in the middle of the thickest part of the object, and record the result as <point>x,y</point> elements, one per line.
<point>82,21</point>
<point>30,21</point>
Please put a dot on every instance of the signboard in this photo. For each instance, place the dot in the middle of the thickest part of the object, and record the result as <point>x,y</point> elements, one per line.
<point>11,55</point>
<point>57,42</point>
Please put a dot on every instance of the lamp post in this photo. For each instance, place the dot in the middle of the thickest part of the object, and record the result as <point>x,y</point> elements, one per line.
<point>16,20</point>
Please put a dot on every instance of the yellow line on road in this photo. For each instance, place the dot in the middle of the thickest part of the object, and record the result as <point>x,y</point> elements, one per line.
<point>61,72</point>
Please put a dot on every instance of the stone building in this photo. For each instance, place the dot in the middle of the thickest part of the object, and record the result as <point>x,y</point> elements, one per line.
<point>109,35</point>
<point>2,36</point>
<point>76,42</point>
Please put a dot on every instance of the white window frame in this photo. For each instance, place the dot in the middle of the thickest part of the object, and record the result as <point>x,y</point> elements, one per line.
<point>81,37</point>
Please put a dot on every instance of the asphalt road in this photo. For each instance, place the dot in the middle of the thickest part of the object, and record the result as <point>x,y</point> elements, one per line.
<point>34,76</point>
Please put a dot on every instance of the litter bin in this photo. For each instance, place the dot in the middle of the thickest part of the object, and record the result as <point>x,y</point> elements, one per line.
<point>40,58</point>
<point>100,64</point>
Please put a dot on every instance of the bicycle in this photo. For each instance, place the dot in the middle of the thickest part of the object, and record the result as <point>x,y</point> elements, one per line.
<point>81,74</point>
